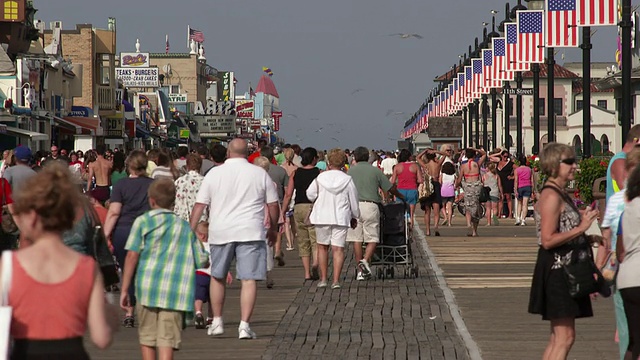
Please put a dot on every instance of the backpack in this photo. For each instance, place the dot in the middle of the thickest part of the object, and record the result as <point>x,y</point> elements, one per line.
<point>425,190</point>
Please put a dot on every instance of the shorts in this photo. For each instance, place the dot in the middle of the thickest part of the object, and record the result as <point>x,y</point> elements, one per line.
<point>202,287</point>
<point>493,199</point>
<point>410,196</point>
<point>524,192</point>
<point>333,235</point>
<point>305,234</point>
<point>159,327</point>
<point>368,228</point>
<point>447,199</point>
<point>250,256</point>
<point>435,198</point>
<point>101,193</point>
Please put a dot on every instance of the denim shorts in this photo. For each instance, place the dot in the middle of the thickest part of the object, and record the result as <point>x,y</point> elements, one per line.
<point>525,192</point>
<point>410,196</point>
<point>250,256</point>
<point>493,199</point>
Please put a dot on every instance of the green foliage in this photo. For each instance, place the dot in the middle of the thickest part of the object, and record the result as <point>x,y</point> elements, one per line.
<point>589,170</point>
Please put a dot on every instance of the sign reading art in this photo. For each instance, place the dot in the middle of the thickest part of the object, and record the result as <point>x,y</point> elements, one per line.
<point>244,109</point>
<point>134,59</point>
<point>138,77</point>
<point>215,108</point>
<point>209,125</point>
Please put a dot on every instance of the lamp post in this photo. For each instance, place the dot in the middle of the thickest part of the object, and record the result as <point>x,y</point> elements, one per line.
<point>519,144</point>
<point>476,109</point>
<point>494,104</point>
<point>551,113</point>
<point>625,106</point>
<point>586,92</point>
<point>466,128</point>
<point>535,68</point>
<point>506,99</point>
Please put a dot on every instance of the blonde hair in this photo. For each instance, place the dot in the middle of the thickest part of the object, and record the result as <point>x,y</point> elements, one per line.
<point>288,154</point>
<point>492,168</point>
<point>163,191</point>
<point>336,158</point>
<point>263,162</point>
<point>137,162</point>
<point>551,155</point>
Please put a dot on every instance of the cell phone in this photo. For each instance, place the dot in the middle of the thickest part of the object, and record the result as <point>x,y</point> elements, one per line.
<point>594,205</point>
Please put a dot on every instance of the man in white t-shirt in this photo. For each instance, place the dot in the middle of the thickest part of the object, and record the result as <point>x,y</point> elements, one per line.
<point>236,193</point>
<point>388,163</point>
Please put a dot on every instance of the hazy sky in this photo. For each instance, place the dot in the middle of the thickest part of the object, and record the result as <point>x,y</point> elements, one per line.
<point>320,52</point>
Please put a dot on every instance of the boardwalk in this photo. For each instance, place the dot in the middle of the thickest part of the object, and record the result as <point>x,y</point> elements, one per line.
<point>470,305</point>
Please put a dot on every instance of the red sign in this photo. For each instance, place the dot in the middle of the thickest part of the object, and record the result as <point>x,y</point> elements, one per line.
<point>130,128</point>
<point>276,120</point>
<point>244,109</point>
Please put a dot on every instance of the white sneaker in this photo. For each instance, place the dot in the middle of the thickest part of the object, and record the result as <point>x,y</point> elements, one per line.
<point>523,223</point>
<point>367,268</point>
<point>517,222</point>
<point>360,277</point>
<point>246,333</point>
<point>322,284</point>
<point>216,328</point>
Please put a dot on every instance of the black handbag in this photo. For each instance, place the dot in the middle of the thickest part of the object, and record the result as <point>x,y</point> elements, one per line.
<point>584,278</point>
<point>100,251</point>
<point>484,194</point>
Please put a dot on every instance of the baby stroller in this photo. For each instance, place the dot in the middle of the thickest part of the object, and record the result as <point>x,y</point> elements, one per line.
<point>394,249</point>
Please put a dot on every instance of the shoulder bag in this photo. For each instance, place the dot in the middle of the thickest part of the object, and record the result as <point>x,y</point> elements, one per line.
<point>5,310</point>
<point>100,249</point>
<point>425,189</point>
<point>8,225</point>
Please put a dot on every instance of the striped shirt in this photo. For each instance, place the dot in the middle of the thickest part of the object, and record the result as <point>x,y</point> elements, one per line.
<point>170,253</point>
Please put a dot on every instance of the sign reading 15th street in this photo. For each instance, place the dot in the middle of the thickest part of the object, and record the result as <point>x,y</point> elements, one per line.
<point>138,77</point>
<point>511,91</point>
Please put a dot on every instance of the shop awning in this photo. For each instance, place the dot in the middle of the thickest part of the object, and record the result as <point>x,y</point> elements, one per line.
<point>142,132</point>
<point>69,125</point>
<point>90,123</point>
<point>30,134</point>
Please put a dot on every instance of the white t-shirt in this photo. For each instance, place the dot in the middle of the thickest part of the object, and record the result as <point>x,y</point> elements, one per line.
<point>388,164</point>
<point>236,193</point>
<point>630,267</point>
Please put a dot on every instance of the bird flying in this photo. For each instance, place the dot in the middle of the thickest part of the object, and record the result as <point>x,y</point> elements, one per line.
<point>407,36</point>
<point>356,91</point>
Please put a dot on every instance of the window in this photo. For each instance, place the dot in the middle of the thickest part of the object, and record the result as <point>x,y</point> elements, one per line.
<point>174,89</point>
<point>104,69</point>
<point>557,106</point>
<point>542,107</point>
<point>579,105</point>
<point>11,10</point>
<point>602,104</point>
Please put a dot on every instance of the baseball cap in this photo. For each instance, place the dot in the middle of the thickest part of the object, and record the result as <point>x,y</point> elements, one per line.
<point>22,153</point>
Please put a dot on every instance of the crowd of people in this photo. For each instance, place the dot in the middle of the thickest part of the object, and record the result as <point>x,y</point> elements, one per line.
<point>251,205</point>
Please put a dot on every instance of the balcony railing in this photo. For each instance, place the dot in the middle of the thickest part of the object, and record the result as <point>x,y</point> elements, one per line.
<point>105,98</point>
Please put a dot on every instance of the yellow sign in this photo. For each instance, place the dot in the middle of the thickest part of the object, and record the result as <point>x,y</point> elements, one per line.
<point>184,134</point>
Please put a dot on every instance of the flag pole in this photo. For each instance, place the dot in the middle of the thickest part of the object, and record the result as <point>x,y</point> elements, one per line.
<point>188,36</point>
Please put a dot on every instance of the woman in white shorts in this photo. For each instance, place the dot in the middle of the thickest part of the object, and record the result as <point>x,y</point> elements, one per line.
<point>335,208</point>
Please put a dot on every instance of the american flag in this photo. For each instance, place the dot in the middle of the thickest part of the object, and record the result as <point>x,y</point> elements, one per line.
<point>461,90</point>
<point>468,84</point>
<point>478,79</point>
<point>456,94</point>
<point>530,36</point>
<point>490,78</point>
<point>166,48</point>
<point>451,99</point>
<point>513,62</point>
<point>443,101</point>
<point>562,30</point>
<point>500,59</point>
<point>196,35</point>
<point>597,12</point>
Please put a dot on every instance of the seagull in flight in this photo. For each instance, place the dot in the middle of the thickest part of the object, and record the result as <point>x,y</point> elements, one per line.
<point>334,139</point>
<point>392,112</point>
<point>356,91</point>
<point>407,36</point>
<point>292,115</point>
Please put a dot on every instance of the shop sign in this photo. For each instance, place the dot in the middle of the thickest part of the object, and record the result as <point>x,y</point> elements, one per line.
<point>177,98</point>
<point>255,123</point>
<point>276,120</point>
<point>138,60</point>
<point>130,128</point>
<point>225,85</point>
<point>215,124</point>
<point>184,133</point>
<point>115,127</point>
<point>215,108</point>
<point>138,77</point>
<point>244,109</point>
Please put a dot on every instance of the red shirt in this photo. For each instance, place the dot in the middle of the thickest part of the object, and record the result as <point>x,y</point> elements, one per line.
<point>5,194</point>
<point>256,155</point>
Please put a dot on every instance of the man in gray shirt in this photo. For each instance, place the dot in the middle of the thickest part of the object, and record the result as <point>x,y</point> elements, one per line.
<point>207,164</point>
<point>18,174</point>
<point>279,176</point>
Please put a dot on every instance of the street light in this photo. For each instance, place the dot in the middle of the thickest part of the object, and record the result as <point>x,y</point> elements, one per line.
<point>507,103</point>
<point>535,68</point>
<point>514,13</point>
<point>494,103</point>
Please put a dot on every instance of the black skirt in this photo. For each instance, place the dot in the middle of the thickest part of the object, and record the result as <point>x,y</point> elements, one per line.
<point>550,296</point>
<point>66,349</point>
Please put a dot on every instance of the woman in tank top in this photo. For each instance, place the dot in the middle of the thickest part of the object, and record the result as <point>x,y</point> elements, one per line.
<point>300,181</point>
<point>492,181</point>
<point>448,191</point>
<point>55,292</point>
<point>472,184</point>
<point>409,176</point>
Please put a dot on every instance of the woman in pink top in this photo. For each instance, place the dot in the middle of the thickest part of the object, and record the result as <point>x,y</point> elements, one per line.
<point>409,176</point>
<point>55,291</point>
<point>524,189</point>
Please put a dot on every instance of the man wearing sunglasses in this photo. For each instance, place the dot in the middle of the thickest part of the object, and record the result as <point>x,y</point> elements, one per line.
<point>616,172</point>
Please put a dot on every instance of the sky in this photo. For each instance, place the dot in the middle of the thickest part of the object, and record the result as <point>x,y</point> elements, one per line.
<point>343,81</point>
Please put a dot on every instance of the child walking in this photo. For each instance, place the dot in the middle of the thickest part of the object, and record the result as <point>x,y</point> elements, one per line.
<point>164,254</point>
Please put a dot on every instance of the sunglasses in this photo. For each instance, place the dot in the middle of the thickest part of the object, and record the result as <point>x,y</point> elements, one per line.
<point>568,161</point>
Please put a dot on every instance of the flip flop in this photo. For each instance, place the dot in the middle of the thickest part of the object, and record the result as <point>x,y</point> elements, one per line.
<point>437,233</point>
